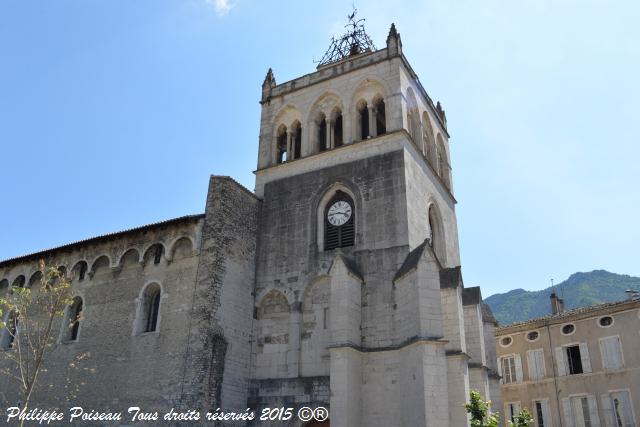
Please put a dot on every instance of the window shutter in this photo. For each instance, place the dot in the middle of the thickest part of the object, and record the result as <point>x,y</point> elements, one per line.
<point>626,410</point>
<point>518,361</point>
<point>500,369</point>
<point>584,355</point>
<point>607,410</point>
<point>542,372</point>
<point>560,362</point>
<point>569,421</point>
<point>546,413</point>
<point>604,352</point>
<point>593,411</point>
<point>531,365</point>
<point>616,351</point>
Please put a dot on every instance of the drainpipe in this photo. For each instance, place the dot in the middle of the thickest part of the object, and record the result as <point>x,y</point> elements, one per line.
<point>555,377</point>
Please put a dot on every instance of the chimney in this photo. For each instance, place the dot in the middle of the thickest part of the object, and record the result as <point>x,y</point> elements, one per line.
<point>557,304</point>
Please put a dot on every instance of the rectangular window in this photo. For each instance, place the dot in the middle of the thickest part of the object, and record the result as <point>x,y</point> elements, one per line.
<point>611,352</point>
<point>325,318</point>
<point>617,409</point>
<point>583,412</point>
<point>541,413</point>
<point>508,370</point>
<point>574,360</point>
<point>511,410</point>
<point>535,361</point>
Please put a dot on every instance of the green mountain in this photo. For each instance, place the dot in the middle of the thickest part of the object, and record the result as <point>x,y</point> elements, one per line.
<point>579,290</point>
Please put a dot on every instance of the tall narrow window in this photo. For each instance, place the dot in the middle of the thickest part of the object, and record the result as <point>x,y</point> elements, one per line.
<point>337,130</point>
<point>322,134</point>
<point>150,308</point>
<point>157,254</point>
<point>339,222</point>
<point>381,120</point>
<point>71,324</point>
<point>539,414</point>
<point>542,413</point>
<point>509,370</point>
<point>618,405</point>
<point>363,115</point>
<point>574,360</point>
<point>281,145</point>
<point>82,270</point>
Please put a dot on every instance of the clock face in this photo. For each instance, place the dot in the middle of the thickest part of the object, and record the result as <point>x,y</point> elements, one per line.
<point>339,213</point>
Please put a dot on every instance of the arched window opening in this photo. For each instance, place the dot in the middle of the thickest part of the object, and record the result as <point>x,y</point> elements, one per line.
<point>339,222</point>
<point>19,282</point>
<point>363,120</point>
<point>4,287</point>
<point>443,163</point>
<point>337,129</point>
<point>150,308</point>
<point>35,279</point>
<point>381,120</point>
<point>297,141</point>
<point>80,270</point>
<point>322,133</point>
<point>281,149</point>
<point>435,234</point>
<point>154,254</point>
<point>71,324</point>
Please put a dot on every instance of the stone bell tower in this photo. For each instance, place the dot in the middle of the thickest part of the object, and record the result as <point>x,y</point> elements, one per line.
<point>359,300</point>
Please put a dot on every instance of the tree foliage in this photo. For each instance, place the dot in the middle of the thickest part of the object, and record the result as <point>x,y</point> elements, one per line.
<point>27,318</point>
<point>480,411</point>
<point>523,419</point>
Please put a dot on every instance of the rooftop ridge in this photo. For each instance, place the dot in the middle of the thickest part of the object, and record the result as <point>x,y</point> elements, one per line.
<point>98,238</point>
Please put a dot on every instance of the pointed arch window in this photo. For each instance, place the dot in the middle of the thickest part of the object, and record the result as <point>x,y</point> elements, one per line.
<point>296,151</point>
<point>337,129</point>
<point>339,222</point>
<point>322,133</point>
<point>363,120</point>
<point>281,145</point>
<point>150,308</point>
<point>71,324</point>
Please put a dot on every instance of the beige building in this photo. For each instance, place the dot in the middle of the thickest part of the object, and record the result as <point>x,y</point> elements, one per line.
<point>578,368</point>
<point>335,283</point>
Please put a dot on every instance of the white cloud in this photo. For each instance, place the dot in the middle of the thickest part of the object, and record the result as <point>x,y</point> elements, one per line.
<point>222,7</point>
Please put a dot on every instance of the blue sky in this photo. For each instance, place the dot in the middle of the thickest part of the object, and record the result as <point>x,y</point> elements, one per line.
<point>114,113</point>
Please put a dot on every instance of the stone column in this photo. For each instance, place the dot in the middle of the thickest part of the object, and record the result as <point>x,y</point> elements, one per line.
<point>290,137</point>
<point>329,142</point>
<point>373,125</point>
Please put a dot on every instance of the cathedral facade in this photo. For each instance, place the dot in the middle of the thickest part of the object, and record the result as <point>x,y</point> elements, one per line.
<point>335,283</point>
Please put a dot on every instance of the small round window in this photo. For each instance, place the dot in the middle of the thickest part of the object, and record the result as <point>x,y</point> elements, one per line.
<point>568,329</point>
<point>506,341</point>
<point>533,336</point>
<point>605,321</point>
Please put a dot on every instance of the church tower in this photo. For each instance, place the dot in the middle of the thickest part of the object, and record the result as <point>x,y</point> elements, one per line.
<point>359,300</point>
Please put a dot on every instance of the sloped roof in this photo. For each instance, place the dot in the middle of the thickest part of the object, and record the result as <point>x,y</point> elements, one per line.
<point>100,238</point>
<point>411,261</point>
<point>577,312</point>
